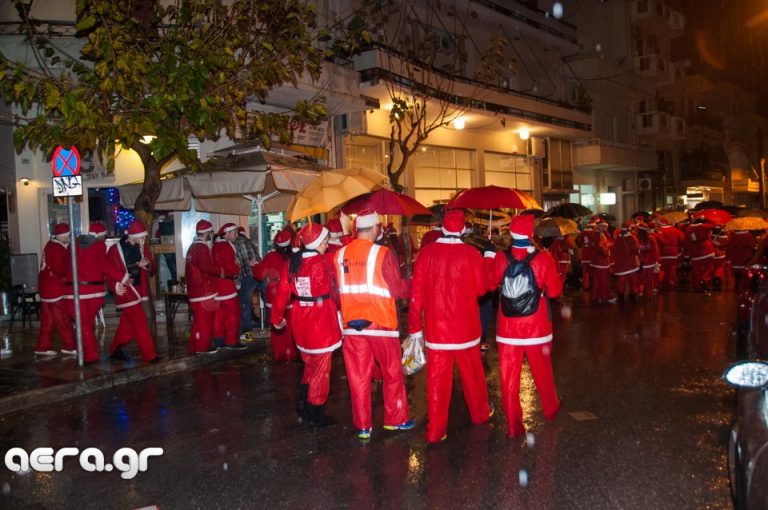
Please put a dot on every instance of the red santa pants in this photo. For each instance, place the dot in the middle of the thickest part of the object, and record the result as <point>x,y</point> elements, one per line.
<point>203,313</point>
<point>648,280</point>
<point>701,272</point>
<point>226,323</point>
<point>586,271</point>
<point>440,383</point>
<point>317,375</point>
<point>361,353</point>
<point>88,310</point>
<point>626,282</point>
<point>669,268</point>
<point>283,347</point>
<point>511,364</point>
<point>54,317</point>
<point>133,325</point>
<point>601,284</point>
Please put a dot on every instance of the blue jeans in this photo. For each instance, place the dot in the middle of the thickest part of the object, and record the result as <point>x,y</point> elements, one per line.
<point>247,286</point>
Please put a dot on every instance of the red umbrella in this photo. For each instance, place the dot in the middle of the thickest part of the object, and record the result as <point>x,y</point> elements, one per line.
<point>384,201</point>
<point>493,197</point>
<point>716,216</point>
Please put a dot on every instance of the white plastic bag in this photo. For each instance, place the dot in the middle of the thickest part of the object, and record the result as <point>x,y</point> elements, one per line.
<point>414,357</point>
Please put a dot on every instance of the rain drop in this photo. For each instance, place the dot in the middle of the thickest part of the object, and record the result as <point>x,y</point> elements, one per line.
<point>598,47</point>
<point>557,10</point>
<point>522,477</point>
<point>6,488</point>
<point>226,466</point>
<point>530,439</point>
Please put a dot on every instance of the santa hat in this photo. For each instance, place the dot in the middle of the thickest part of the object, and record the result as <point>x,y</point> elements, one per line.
<point>283,238</point>
<point>453,222</point>
<point>60,229</point>
<point>366,219</point>
<point>625,226</point>
<point>203,227</point>
<point>643,226</point>
<point>334,227</point>
<point>136,229</point>
<point>521,226</point>
<point>97,229</point>
<point>227,227</point>
<point>312,235</point>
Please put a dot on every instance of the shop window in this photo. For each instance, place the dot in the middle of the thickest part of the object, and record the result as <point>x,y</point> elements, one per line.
<point>439,173</point>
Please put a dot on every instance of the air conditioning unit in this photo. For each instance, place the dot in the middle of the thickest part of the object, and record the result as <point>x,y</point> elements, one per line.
<point>644,184</point>
<point>355,123</point>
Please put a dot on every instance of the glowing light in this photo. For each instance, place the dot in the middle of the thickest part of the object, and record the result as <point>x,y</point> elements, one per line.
<point>25,181</point>
<point>557,10</point>
<point>524,134</point>
<point>608,198</point>
<point>458,123</point>
<point>146,139</point>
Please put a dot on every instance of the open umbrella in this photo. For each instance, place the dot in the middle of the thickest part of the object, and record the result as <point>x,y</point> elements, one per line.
<point>384,201</point>
<point>746,223</point>
<point>673,217</point>
<point>555,226</point>
<point>716,216</point>
<point>708,204</point>
<point>536,213</point>
<point>608,217</point>
<point>493,197</point>
<point>428,220</point>
<point>567,210</point>
<point>489,218</point>
<point>644,214</point>
<point>331,189</point>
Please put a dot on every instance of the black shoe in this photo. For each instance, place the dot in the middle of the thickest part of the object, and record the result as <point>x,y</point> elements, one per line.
<point>302,409</point>
<point>318,419</point>
<point>154,360</point>
<point>118,355</point>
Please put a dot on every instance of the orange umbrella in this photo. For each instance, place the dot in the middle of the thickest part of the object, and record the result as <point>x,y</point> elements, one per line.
<point>493,197</point>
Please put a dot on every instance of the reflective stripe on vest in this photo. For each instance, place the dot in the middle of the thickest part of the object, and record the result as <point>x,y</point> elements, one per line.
<point>364,292</point>
<point>369,287</point>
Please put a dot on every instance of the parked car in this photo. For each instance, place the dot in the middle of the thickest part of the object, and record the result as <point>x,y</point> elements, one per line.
<point>748,440</point>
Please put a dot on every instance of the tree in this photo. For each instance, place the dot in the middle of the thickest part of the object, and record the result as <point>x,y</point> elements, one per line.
<point>171,70</point>
<point>424,51</point>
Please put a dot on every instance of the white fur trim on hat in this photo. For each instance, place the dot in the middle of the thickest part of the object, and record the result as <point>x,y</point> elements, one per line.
<point>335,235</point>
<point>518,236</point>
<point>449,233</point>
<point>314,244</point>
<point>367,220</point>
<point>137,235</point>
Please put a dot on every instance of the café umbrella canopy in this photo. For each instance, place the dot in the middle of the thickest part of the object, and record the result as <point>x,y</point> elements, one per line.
<point>570,210</point>
<point>385,201</point>
<point>555,226</point>
<point>331,189</point>
<point>746,223</point>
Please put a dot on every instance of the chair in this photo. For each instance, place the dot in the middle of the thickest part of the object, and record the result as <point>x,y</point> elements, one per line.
<point>23,304</point>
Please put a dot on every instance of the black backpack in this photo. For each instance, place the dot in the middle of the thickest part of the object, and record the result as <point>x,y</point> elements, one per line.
<point>519,293</point>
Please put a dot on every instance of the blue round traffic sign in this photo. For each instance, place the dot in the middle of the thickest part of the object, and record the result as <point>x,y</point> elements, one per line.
<point>66,161</point>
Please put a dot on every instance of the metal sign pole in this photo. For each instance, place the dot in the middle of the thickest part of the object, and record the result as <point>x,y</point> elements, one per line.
<point>75,286</point>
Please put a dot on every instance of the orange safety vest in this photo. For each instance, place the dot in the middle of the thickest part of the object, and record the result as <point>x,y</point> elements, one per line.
<point>364,292</point>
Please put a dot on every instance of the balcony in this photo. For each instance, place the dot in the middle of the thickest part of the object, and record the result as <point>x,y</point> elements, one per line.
<point>597,154</point>
<point>653,66</point>
<point>658,18</point>
<point>654,124</point>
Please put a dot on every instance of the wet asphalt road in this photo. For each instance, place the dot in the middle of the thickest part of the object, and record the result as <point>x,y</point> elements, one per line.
<point>643,426</point>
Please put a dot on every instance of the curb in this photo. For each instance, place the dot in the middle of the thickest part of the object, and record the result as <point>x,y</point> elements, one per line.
<point>43,396</point>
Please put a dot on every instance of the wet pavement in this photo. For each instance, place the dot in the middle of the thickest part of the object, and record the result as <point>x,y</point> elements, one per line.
<point>643,425</point>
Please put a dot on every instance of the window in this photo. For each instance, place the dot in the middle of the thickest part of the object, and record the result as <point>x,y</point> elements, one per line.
<point>557,171</point>
<point>439,173</point>
<point>509,170</point>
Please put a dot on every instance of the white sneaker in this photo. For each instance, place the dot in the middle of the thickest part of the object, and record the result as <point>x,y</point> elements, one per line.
<point>46,353</point>
<point>65,352</point>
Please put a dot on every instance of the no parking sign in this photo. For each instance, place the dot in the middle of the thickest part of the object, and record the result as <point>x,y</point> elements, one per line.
<point>66,172</point>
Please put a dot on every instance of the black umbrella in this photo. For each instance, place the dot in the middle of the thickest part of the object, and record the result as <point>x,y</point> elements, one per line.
<point>536,213</point>
<point>429,219</point>
<point>645,214</point>
<point>709,204</point>
<point>568,210</point>
<point>607,216</point>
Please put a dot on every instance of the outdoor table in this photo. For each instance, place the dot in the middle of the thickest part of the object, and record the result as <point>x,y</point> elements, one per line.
<point>172,302</point>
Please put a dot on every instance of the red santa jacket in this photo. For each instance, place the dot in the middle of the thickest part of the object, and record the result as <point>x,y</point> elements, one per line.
<point>740,249</point>
<point>559,251</point>
<point>313,292</point>
<point>430,237</point>
<point>93,269</point>
<point>649,252</point>
<point>625,250</point>
<point>698,244</point>
<point>536,328</point>
<point>448,277</point>
<point>270,269</point>
<point>53,271</point>
<point>670,241</point>
<point>202,272</point>
<point>225,256</point>
<point>139,290</point>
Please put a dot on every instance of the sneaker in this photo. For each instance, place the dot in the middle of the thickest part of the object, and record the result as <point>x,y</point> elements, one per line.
<point>234,347</point>
<point>407,425</point>
<point>211,350</point>
<point>118,355</point>
<point>363,434</point>
<point>67,352</point>
<point>46,353</point>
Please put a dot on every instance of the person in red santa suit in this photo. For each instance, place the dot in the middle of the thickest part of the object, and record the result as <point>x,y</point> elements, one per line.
<point>51,284</point>
<point>584,240</point>
<point>430,237</point>
<point>700,250</point>
<point>626,263</point>
<point>670,241</point>
<point>527,336</point>
<point>741,247</point>
<point>269,270</point>
<point>93,268</point>
<point>561,253</point>
<point>448,278</point>
<point>309,283</point>
<point>226,323</point>
<point>336,238</point>
<point>202,275</point>
<point>369,282</point>
<point>649,260</point>
<point>132,255</point>
<point>600,268</point>
<point>720,277</point>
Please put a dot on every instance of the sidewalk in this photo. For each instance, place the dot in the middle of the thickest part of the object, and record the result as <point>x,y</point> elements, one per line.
<point>27,380</point>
